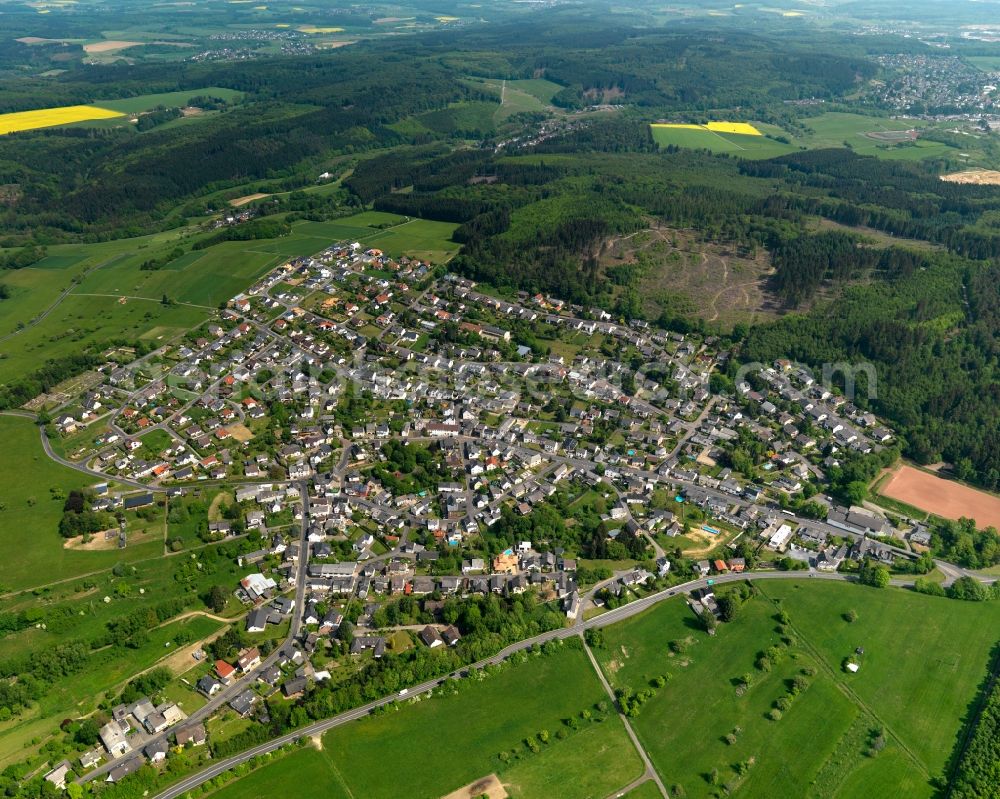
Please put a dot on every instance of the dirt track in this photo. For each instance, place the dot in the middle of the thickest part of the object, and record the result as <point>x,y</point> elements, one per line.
<point>487,786</point>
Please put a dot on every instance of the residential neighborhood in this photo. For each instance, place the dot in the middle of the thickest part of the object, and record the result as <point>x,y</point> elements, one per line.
<point>386,449</point>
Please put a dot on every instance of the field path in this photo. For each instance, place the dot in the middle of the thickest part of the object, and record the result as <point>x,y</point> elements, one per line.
<point>69,290</point>
<point>192,613</point>
<point>727,141</point>
<point>651,773</point>
<point>720,292</point>
<point>144,299</point>
<point>849,692</point>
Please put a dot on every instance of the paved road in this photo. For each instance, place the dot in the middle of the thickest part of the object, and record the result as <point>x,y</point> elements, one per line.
<point>610,617</point>
<point>238,686</point>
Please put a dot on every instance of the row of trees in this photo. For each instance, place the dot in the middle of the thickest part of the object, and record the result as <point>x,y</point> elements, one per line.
<point>978,773</point>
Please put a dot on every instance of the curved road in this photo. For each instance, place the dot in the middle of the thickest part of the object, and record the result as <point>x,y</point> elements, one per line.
<point>610,617</point>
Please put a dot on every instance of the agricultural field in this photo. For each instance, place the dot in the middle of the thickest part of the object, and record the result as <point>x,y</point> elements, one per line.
<point>84,319</point>
<point>481,720</point>
<point>51,117</point>
<point>419,238</point>
<point>735,138</point>
<point>866,135</point>
<point>105,112</point>
<point>914,683</point>
<point>147,102</point>
<point>987,63</point>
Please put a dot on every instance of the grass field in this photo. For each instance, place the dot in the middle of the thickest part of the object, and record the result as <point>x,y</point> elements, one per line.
<point>439,745</point>
<point>29,518</point>
<point>724,140</point>
<point>147,102</point>
<point>924,656</point>
<point>987,63</point>
<point>519,96</point>
<point>474,119</point>
<point>913,681</point>
<point>543,90</point>
<point>50,117</point>
<point>196,282</point>
<point>647,790</point>
<point>832,129</point>
<point>85,318</point>
<point>420,238</point>
<point>323,781</point>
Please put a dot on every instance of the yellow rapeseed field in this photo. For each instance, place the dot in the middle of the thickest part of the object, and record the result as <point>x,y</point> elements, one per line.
<point>743,128</point>
<point>315,29</point>
<point>47,117</point>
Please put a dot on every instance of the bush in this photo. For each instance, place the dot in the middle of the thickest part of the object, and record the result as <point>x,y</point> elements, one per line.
<point>968,589</point>
<point>922,585</point>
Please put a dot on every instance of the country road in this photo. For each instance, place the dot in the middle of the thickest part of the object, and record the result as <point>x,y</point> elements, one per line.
<point>605,619</point>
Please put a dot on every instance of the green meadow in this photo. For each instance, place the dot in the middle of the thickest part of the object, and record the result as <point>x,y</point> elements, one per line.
<point>112,297</point>
<point>737,144</point>
<point>914,683</point>
<point>147,102</point>
<point>438,745</point>
<point>30,510</point>
<point>832,129</point>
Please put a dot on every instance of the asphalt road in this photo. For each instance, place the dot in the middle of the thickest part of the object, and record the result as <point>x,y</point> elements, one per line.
<point>610,617</point>
<point>240,685</point>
